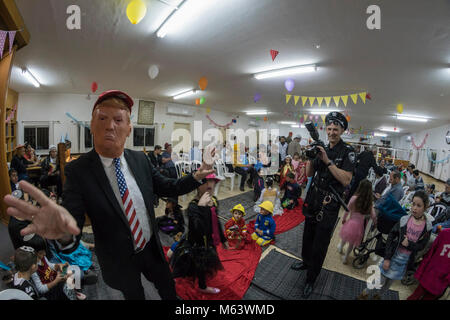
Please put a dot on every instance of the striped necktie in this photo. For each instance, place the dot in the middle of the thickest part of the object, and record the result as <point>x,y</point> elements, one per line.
<point>130,211</point>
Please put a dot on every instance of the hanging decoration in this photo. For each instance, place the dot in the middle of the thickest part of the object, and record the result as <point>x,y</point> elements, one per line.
<point>94,87</point>
<point>153,71</point>
<point>11,114</point>
<point>226,126</point>
<point>11,35</point>
<point>203,83</point>
<point>80,123</point>
<point>436,161</point>
<point>289,84</point>
<point>336,99</point>
<point>208,110</point>
<point>256,97</point>
<point>197,101</point>
<point>417,147</point>
<point>274,54</point>
<point>136,11</point>
<point>265,119</point>
<point>202,100</point>
<point>400,108</point>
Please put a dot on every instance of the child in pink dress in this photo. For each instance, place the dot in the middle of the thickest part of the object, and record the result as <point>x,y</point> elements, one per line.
<point>352,231</point>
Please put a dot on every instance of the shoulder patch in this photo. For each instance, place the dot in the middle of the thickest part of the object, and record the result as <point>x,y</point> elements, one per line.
<point>351,157</point>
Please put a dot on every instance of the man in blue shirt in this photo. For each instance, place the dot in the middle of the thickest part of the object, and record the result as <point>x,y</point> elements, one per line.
<point>167,162</point>
<point>396,189</point>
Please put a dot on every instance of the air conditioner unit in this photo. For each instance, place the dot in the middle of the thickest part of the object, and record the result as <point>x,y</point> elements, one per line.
<point>253,124</point>
<point>180,111</point>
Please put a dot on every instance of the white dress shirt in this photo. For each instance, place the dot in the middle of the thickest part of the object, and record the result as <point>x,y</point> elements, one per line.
<point>133,189</point>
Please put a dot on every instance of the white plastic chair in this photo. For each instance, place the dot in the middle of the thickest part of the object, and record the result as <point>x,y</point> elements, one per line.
<point>228,174</point>
<point>179,168</point>
<point>14,294</point>
<point>195,165</point>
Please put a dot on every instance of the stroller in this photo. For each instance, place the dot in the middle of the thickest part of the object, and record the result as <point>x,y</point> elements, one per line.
<point>389,213</point>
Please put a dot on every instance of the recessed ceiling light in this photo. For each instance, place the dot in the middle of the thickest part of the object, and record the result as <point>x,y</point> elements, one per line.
<point>256,112</point>
<point>380,134</point>
<point>390,129</point>
<point>287,122</point>
<point>322,111</point>
<point>317,46</point>
<point>285,71</point>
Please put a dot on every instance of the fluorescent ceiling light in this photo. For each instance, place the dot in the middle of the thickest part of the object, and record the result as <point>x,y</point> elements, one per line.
<point>380,134</point>
<point>187,11</point>
<point>411,118</point>
<point>298,126</point>
<point>256,112</point>
<point>27,74</point>
<point>322,111</point>
<point>184,94</point>
<point>287,122</point>
<point>390,129</point>
<point>285,71</point>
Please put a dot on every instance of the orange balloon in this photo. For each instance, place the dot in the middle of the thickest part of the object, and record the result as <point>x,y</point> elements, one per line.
<point>203,83</point>
<point>265,118</point>
<point>197,101</point>
<point>348,118</point>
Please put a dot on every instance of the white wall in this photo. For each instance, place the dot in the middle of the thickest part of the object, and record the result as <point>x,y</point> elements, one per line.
<point>435,140</point>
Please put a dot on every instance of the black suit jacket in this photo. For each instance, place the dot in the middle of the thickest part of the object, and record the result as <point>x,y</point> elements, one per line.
<point>88,190</point>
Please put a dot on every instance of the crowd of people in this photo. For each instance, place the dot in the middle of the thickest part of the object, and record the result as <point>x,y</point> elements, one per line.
<point>119,188</point>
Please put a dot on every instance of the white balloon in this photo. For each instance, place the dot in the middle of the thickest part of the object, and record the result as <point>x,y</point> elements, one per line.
<point>153,72</point>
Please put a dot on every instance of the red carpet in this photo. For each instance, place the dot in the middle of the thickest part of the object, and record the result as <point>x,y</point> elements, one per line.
<point>233,281</point>
<point>288,220</point>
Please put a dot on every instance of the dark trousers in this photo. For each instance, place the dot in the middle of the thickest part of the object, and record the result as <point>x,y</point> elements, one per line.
<point>55,180</point>
<point>202,281</point>
<point>155,270</point>
<point>243,173</point>
<point>316,238</point>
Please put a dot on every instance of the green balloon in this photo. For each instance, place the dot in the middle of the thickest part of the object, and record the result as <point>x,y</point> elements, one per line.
<point>202,100</point>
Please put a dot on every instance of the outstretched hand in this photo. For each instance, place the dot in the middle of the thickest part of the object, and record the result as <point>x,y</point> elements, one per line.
<point>50,220</point>
<point>207,165</point>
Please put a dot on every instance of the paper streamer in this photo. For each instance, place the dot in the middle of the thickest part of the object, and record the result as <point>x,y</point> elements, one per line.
<point>421,145</point>
<point>218,125</point>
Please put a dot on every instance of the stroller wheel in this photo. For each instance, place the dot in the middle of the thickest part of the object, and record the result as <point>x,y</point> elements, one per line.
<point>357,250</point>
<point>360,261</point>
<point>408,278</point>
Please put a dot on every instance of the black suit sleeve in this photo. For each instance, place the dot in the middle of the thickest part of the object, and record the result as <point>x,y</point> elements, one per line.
<point>73,199</point>
<point>168,187</point>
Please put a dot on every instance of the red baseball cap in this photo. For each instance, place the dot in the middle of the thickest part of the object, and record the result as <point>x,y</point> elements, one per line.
<point>114,94</point>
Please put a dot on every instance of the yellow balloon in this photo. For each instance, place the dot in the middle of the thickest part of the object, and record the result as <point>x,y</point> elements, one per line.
<point>400,108</point>
<point>136,11</point>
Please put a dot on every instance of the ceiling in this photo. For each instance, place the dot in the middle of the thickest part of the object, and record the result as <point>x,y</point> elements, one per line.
<point>404,62</point>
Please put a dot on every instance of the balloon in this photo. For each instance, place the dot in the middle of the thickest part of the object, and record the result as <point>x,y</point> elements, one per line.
<point>202,100</point>
<point>348,118</point>
<point>265,118</point>
<point>136,11</point>
<point>203,83</point>
<point>153,72</point>
<point>197,101</point>
<point>208,110</point>
<point>400,108</point>
<point>234,120</point>
<point>315,124</point>
<point>302,120</point>
<point>289,84</point>
<point>94,86</point>
<point>257,97</point>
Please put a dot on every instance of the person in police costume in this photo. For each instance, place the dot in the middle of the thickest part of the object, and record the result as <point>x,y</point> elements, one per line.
<point>333,166</point>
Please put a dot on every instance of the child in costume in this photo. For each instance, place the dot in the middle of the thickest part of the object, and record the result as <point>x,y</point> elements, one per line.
<point>235,228</point>
<point>259,185</point>
<point>264,225</point>
<point>172,222</point>
<point>352,231</point>
<point>174,245</point>
<point>409,236</point>
<point>292,192</point>
<point>196,255</point>
<point>285,169</point>
<point>270,194</point>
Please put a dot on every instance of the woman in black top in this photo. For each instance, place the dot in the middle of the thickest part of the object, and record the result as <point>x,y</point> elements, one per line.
<point>19,163</point>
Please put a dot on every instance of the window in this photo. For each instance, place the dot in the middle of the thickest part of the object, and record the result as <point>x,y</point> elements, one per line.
<point>143,137</point>
<point>38,137</point>
<point>87,137</point>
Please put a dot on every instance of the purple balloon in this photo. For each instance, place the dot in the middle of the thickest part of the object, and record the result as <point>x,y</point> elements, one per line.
<point>257,97</point>
<point>289,84</point>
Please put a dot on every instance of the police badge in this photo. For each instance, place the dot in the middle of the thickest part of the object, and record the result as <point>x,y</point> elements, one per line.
<point>351,157</point>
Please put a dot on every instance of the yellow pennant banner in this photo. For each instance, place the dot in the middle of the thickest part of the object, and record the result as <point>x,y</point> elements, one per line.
<point>354,97</point>
<point>344,100</point>
<point>288,97</point>
<point>323,118</point>
<point>305,117</point>
<point>304,100</point>
<point>311,100</point>
<point>327,101</point>
<point>296,99</point>
<point>336,100</point>
<point>319,101</point>
<point>362,95</point>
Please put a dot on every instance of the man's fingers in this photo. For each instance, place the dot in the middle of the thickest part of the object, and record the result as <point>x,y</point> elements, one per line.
<point>31,228</point>
<point>34,192</point>
<point>23,209</point>
<point>71,225</point>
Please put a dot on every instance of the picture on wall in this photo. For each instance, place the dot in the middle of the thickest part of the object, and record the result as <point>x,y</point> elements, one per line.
<point>146,113</point>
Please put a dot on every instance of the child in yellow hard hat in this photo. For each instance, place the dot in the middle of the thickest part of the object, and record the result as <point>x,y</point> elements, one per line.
<point>264,225</point>
<point>236,229</point>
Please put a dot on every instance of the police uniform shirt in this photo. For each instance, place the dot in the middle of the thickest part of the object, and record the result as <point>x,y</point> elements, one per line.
<point>343,156</point>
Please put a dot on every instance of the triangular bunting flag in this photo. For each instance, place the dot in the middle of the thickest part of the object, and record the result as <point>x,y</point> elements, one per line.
<point>12,34</point>
<point>327,101</point>
<point>354,97</point>
<point>305,116</point>
<point>336,100</point>
<point>274,54</point>
<point>363,97</point>
<point>344,100</point>
<point>296,99</point>
<point>304,100</point>
<point>2,42</point>
<point>311,100</point>
<point>319,101</point>
<point>323,118</point>
<point>288,97</point>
